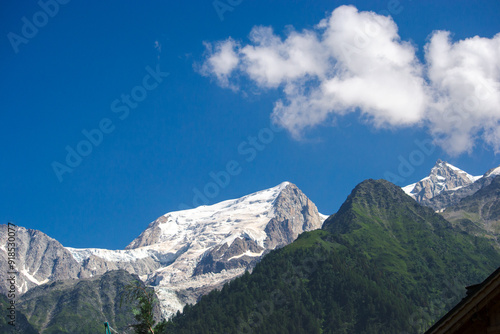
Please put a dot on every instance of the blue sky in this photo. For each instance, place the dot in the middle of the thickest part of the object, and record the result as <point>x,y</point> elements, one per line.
<point>164,120</point>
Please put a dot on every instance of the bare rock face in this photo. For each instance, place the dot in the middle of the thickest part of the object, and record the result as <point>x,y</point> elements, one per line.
<point>479,213</point>
<point>39,259</point>
<point>241,253</point>
<point>150,235</point>
<point>294,213</point>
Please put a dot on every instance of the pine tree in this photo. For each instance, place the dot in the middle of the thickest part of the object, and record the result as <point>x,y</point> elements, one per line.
<point>144,315</point>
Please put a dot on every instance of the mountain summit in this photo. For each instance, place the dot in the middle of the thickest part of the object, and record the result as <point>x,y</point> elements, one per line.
<point>246,217</point>
<point>210,245</point>
<point>443,177</point>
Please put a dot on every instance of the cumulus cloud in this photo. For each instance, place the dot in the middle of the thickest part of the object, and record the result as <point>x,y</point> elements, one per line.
<point>465,77</point>
<point>356,62</point>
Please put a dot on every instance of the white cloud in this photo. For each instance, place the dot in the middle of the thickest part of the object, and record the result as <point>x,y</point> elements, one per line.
<point>465,77</point>
<point>271,61</point>
<point>221,61</point>
<point>356,61</point>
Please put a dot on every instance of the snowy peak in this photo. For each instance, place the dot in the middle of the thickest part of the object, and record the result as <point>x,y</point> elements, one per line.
<point>442,170</point>
<point>223,222</point>
<point>443,177</point>
<point>492,172</point>
<point>209,245</point>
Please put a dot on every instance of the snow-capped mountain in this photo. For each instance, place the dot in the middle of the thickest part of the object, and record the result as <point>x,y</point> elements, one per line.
<point>188,253</point>
<point>213,244</point>
<point>204,226</point>
<point>443,177</point>
<point>446,185</point>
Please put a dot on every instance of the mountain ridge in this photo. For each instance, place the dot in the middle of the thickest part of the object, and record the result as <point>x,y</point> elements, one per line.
<point>479,212</point>
<point>184,254</point>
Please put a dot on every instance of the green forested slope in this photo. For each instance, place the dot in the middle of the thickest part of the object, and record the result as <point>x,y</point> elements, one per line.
<point>22,326</point>
<point>80,306</point>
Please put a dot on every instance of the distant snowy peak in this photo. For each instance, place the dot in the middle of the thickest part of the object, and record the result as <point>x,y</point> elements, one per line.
<point>443,177</point>
<point>441,167</point>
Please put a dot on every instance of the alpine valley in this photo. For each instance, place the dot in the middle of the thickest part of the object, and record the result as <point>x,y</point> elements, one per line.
<point>390,260</point>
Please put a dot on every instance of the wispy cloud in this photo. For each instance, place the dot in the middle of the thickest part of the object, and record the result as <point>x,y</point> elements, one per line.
<point>221,61</point>
<point>158,48</point>
<point>356,61</point>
